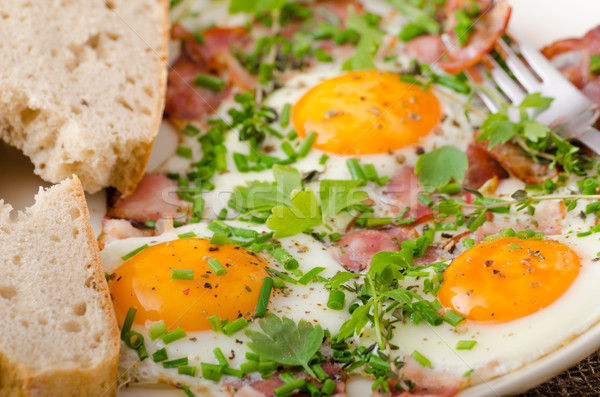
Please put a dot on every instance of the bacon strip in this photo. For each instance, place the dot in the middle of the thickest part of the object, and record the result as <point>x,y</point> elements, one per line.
<point>517,163</point>
<point>486,30</point>
<point>482,167</point>
<point>404,188</point>
<point>155,198</point>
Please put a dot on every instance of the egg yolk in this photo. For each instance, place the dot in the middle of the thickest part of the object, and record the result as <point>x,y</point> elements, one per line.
<point>366,113</point>
<point>144,282</point>
<point>507,279</point>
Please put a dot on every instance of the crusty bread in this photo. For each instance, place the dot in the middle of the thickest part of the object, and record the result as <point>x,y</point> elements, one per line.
<point>82,86</point>
<point>59,333</point>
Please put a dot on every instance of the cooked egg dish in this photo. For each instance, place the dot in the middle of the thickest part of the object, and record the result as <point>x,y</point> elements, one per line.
<point>346,212</point>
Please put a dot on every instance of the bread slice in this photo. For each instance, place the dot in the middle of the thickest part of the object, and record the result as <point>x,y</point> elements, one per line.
<point>59,333</point>
<point>82,86</point>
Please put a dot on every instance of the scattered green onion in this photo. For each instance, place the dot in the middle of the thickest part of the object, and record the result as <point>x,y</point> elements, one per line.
<point>375,222</point>
<point>595,63</point>
<point>155,330</point>
<point>238,373</point>
<point>151,223</point>
<point>128,322</point>
<point>328,387</point>
<point>190,130</point>
<point>134,252</point>
<point>235,326</point>
<point>186,370</point>
<point>284,121</point>
<point>468,243</point>
<point>453,318</point>
<point>252,356</point>
<point>263,298</point>
<point>322,55</point>
<point>220,357</point>
<point>184,152</point>
<point>174,335</point>
<point>307,144</point>
<point>215,322</point>
<point>421,359</point>
<point>356,170</point>
<point>219,239</point>
<point>289,388</point>
<point>182,274</point>
<point>212,371</point>
<point>175,363</point>
<point>186,390</point>
<point>216,267</point>
<point>160,355</point>
<point>283,257</point>
<point>249,367</point>
<point>210,82</point>
<point>323,159</point>
<point>336,300</point>
<point>266,367</point>
<point>283,276</point>
<point>187,235</point>
<point>133,339</point>
<point>465,344</point>
<point>310,275</point>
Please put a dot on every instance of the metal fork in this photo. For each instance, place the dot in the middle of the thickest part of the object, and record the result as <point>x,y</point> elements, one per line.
<point>571,112</point>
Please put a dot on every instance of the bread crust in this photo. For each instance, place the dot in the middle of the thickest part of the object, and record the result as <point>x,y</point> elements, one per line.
<point>21,378</point>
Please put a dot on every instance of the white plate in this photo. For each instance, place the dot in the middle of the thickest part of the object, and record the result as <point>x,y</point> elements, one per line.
<point>540,22</point>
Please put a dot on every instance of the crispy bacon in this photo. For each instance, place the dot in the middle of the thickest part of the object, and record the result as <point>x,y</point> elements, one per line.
<point>490,25</point>
<point>572,58</point>
<point>266,387</point>
<point>186,101</point>
<point>404,188</point>
<point>356,249</point>
<point>518,164</point>
<point>155,198</point>
<point>482,167</point>
<point>426,49</point>
<point>428,382</point>
<point>118,229</point>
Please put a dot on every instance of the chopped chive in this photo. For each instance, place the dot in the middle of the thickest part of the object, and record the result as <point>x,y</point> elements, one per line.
<point>220,357</point>
<point>283,257</point>
<point>174,335</point>
<point>328,387</point>
<point>244,233</point>
<point>252,356</point>
<point>468,243</point>
<point>400,220</point>
<point>198,207</point>
<point>187,235</point>
<point>356,170</point>
<point>175,363</point>
<point>584,234</point>
<point>160,355</point>
<point>318,370</point>
<point>283,276</point>
<point>336,300</point>
<point>290,387</point>
<point>156,329</point>
<point>235,326</point>
<point>293,134</point>
<point>469,372</point>
<point>307,144</point>
<point>128,322</point>
<point>107,277</point>
<point>190,130</point>
<point>595,63</point>
<point>310,275</point>
<point>263,298</point>
<point>287,377</point>
<point>212,371</point>
<point>323,159</point>
<point>184,152</point>
<point>285,115</point>
<point>219,239</point>
<point>186,370</point>
<point>465,344</point>
<point>238,373</point>
<point>216,267</point>
<point>334,237</point>
<point>453,318</point>
<point>215,322</point>
<point>424,199</point>
<point>210,82</point>
<point>289,150</point>
<point>241,162</point>
<point>133,339</point>
<point>265,72</point>
<point>186,390</point>
<point>182,274</point>
<point>134,252</point>
<point>375,222</point>
<point>266,367</point>
<point>421,359</point>
<point>151,223</point>
<point>322,55</point>
<point>141,351</point>
<point>249,367</point>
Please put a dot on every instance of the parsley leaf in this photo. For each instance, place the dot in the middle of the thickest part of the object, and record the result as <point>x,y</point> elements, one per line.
<point>497,128</point>
<point>287,180</point>
<point>337,195</point>
<point>303,214</point>
<point>537,101</point>
<point>419,18</point>
<point>255,6</point>
<point>439,167</point>
<point>370,40</point>
<point>359,319</point>
<point>285,342</point>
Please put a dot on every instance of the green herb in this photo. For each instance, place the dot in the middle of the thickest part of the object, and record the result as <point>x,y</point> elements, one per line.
<point>284,342</point>
<point>463,27</point>
<point>263,298</point>
<point>301,215</point>
<point>134,252</point>
<point>216,267</point>
<point>210,82</point>
<point>441,166</point>
<point>336,300</point>
<point>339,195</point>
<point>172,336</point>
<point>182,274</point>
<point>465,344</point>
<point>184,152</point>
<point>310,275</point>
<point>155,330</point>
<point>160,355</point>
<point>595,63</point>
<point>175,363</point>
<point>421,359</point>
<point>370,40</point>
<point>211,371</point>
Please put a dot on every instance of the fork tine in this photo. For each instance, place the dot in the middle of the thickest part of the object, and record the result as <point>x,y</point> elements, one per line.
<point>506,83</point>
<point>518,68</point>
<point>537,61</point>
<point>475,74</point>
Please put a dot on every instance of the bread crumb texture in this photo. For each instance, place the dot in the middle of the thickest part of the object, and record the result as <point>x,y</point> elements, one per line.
<point>82,86</point>
<point>59,333</point>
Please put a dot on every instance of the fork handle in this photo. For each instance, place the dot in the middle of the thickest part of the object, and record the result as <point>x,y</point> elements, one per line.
<point>591,139</point>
